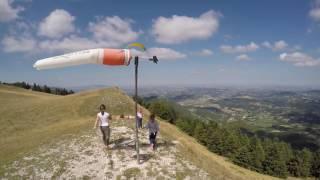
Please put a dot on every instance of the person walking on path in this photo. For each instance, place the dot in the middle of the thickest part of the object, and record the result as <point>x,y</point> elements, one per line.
<point>103,121</point>
<point>153,127</point>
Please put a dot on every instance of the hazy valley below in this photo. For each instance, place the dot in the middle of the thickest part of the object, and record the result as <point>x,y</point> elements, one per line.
<point>291,115</point>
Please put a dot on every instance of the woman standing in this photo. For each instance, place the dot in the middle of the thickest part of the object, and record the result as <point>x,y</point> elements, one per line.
<point>103,120</point>
<point>139,117</point>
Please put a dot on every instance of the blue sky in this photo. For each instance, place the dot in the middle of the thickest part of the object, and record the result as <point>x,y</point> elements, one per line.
<point>202,43</point>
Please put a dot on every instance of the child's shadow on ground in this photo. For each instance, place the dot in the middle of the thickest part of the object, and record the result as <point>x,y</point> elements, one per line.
<point>127,143</point>
<point>120,141</point>
<point>144,157</point>
<point>162,143</point>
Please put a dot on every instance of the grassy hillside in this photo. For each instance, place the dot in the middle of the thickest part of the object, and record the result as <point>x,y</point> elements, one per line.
<point>29,119</point>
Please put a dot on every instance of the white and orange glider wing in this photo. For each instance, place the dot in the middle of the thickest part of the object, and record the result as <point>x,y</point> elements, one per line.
<point>113,57</point>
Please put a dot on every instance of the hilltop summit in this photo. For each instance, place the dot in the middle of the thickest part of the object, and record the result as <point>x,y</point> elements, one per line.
<point>51,137</point>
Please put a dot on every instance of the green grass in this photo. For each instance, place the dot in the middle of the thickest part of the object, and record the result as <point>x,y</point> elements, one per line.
<point>216,166</point>
<point>181,175</point>
<point>29,119</point>
<point>131,173</point>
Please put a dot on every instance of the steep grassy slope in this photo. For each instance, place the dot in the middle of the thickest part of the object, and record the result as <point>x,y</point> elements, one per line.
<point>29,119</point>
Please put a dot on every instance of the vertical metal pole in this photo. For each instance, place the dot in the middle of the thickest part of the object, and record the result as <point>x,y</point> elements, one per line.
<point>136,63</point>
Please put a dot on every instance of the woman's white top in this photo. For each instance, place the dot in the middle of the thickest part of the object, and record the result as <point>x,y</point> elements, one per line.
<point>139,114</point>
<point>104,119</point>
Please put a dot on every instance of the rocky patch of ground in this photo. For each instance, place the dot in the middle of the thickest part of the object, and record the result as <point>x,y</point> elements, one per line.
<point>85,157</point>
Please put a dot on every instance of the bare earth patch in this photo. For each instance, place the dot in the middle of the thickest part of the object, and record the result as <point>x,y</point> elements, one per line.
<point>85,157</point>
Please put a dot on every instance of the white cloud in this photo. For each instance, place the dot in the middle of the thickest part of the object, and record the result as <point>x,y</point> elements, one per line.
<point>20,44</point>
<point>239,48</point>
<point>73,43</point>
<point>299,59</point>
<point>178,29</point>
<point>161,53</point>
<point>7,12</point>
<point>106,32</point>
<point>296,47</point>
<point>314,12</point>
<point>276,46</point>
<point>243,57</point>
<point>67,44</point>
<point>114,30</point>
<point>57,24</point>
<point>266,44</point>
<point>110,32</point>
<point>165,53</point>
<point>205,52</point>
<point>280,45</point>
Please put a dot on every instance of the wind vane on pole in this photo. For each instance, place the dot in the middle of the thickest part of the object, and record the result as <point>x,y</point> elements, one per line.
<point>136,64</point>
<point>104,56</point>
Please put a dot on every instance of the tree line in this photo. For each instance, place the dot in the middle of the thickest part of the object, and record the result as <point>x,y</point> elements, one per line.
<point>40,88</point>
<point>268,156</point>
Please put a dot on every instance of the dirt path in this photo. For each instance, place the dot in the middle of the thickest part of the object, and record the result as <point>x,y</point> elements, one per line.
<point>84,157</point>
